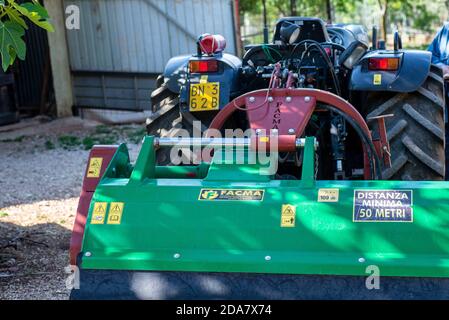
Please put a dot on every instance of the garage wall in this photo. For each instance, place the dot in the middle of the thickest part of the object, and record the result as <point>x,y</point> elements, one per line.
<point>141,35</point>
<point>122,45</point>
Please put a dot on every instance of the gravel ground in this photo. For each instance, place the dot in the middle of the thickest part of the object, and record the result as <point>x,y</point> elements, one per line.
<point>41,170</point>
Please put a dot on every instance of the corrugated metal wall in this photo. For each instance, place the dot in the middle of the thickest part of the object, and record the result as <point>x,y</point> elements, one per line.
<point>133,40</point>
<point>113,90</point>
<point>30,74</point>
<point>141,35</point>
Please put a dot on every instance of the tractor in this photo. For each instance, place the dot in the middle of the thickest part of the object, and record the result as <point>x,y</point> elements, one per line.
<point>314,162</point>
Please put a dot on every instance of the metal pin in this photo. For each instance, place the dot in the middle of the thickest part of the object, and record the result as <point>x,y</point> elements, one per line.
<point>362,260</point>
<point>252,99</point>
<point>258,131</point>
<point>176,256</point>
<point>288,99</point>
<point>307,99</point>
<point>270,99</point>
<point>88,254</point>
<point>268,258</point>
<point>291,131</point>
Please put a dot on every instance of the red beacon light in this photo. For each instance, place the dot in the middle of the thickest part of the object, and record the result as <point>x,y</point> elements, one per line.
<point>210,44</point>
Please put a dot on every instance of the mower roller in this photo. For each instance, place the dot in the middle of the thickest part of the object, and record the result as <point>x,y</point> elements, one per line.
<point>355,207</point>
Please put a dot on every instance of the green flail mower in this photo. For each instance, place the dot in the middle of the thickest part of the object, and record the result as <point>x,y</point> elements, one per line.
<point>331,192</point>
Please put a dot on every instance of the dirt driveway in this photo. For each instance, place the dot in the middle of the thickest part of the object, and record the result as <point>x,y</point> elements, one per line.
<point>41,169</point>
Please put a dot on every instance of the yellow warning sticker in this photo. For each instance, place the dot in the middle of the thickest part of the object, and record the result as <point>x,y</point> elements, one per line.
<point>94,167</point>
<point>328,195</point>
<point>377,80</point>
<point>204,79</point>
<point>264,139</point>
<point>115,213</point>
<point>288,216</point>
<point>99,213</point>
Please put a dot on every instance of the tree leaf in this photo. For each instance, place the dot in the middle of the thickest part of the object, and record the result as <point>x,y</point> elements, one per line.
<point>15,16</point>
<point>36,7</point>
<point>31,11</point>
<point>11,34</point>
<point>13,55</point>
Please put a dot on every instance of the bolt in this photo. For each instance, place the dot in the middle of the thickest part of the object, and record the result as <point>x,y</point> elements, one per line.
<point>258,131</point>
<point>88,254</point>
<point>288,99</point>
<point>252,99</point>
<point>361,260</point>
<point>307,99</point>
<point>270,99</point>
<point>291,131</point>
<point>176,256</point>
<point>268,258</point>
<point>274,131</point>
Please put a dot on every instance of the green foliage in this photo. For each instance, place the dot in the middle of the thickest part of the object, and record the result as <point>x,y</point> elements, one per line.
<point>13,23</point>
<point>17,139</point>
<point>11,43</point>
<point>424,19</point>
<point>69,142</point>
<point>250,6</point>
<point>421,15</point>
<point>49,145</point>
<point>88,143</point>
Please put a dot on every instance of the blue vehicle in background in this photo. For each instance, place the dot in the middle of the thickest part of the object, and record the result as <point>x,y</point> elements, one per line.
<point>403,88</point>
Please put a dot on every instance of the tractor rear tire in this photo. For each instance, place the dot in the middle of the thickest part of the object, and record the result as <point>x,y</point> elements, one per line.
<point>416,132</point>
<point>167,121</point>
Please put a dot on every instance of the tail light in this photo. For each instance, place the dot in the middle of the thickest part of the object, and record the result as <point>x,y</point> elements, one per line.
<point>384,64</point>
<point>203,66</point>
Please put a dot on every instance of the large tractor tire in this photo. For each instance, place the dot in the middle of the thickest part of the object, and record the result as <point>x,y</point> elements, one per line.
<point>416,131</point>
<point>167,120</point>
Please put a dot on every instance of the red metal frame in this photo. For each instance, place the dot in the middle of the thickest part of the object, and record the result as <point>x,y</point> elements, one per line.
<point>259,108</point>
<point>87,191</point>
<point>382,144</point>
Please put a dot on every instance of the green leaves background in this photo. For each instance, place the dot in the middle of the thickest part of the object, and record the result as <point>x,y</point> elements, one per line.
<point>13,23</point>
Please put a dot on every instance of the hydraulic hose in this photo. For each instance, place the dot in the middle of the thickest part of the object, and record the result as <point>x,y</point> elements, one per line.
<point>375,164</point>
<point>324,55</point>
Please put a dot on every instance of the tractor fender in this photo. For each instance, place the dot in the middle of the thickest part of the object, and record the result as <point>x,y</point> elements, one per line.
<point>176,71</point>
<point>414,67</point>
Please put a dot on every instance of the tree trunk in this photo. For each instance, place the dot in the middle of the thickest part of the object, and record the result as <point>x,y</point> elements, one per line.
<point>293,10</point>
<point>383,4</point>
<point>330,11</point>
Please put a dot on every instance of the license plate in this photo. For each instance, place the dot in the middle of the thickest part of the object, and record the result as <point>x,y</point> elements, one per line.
<point>204,96</point>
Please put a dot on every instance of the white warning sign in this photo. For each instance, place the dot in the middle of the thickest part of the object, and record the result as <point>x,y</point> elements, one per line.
<point>383,206</point>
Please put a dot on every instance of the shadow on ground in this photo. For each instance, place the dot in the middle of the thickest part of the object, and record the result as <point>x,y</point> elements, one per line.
<point>32,261</point>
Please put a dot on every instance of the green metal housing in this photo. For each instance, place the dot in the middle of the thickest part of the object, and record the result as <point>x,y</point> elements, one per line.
<point>166,227</point>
